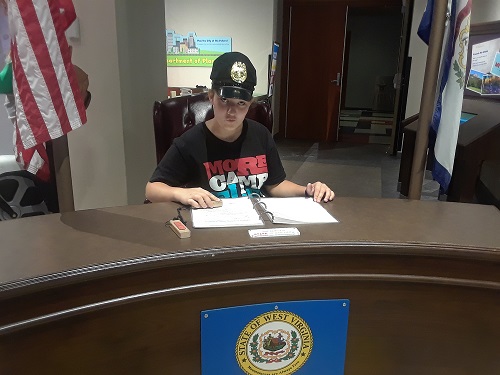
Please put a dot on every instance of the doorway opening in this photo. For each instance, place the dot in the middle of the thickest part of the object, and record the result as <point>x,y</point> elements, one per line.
<point>353,102</point>
<point>370,67</point>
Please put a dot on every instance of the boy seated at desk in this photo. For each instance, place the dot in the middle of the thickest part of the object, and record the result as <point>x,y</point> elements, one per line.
<point>227,156</point>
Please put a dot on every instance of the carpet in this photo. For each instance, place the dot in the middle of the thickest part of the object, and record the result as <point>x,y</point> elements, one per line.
<point>344,180</point>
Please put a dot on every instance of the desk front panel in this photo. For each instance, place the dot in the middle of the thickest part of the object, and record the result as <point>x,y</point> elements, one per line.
<point>424,293</point>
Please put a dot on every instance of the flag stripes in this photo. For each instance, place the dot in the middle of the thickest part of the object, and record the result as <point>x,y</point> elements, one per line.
<point>47,96</point>
<point>41,63</point>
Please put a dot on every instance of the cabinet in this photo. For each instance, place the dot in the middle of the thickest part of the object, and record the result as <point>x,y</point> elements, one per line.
<point>478,140</point>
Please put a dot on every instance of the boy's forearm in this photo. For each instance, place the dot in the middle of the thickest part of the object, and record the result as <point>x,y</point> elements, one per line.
<point>286,189</point>
<point>160,192</point>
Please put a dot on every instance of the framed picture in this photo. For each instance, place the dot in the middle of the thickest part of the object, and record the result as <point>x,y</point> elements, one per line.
<point>483,62</point>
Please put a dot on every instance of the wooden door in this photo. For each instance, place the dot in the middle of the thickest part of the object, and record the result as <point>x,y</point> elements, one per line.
<point>314,81</point>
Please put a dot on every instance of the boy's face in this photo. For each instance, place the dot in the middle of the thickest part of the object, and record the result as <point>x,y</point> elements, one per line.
<point>229,112</point>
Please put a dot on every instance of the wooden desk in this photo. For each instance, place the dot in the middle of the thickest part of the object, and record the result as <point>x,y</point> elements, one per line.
<point>478,140</point>
<point>114,291</point>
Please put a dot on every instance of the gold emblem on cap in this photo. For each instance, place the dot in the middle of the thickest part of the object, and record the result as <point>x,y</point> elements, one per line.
<point>239,72</point>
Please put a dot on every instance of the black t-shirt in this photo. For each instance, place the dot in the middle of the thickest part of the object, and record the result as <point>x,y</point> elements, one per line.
<point>227,169</point>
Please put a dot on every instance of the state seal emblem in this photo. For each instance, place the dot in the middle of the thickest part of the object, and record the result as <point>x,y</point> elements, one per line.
<point>274,343</point>
<point>463,42</point>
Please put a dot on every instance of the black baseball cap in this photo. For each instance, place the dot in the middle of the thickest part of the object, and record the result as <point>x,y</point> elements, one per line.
<point>233,76</point>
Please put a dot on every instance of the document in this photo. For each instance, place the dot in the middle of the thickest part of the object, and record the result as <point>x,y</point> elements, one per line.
<point>234,212</point>
<point>295,210</point>
<point>246,211</point>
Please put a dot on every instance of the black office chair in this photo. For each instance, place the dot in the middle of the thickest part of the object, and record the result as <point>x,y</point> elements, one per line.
<point>21,195</point>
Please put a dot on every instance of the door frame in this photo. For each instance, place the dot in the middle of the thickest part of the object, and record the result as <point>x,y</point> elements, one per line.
<point>404,68</point>
<point>285,45</point>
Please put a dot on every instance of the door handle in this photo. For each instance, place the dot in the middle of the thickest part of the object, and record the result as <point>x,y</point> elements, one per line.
<point>336,81</point>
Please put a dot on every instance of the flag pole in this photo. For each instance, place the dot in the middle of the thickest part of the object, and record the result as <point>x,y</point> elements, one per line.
<point>428,98</point>
<point>62,168</point>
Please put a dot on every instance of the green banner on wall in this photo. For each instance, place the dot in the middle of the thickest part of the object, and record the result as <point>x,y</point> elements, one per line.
<point>191,60</point>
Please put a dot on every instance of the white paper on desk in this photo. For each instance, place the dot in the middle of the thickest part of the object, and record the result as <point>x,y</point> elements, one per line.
<point>235,212</point>
<point>297,210</point>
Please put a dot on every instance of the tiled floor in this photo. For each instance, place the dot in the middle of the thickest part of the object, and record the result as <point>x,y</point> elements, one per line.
<point>350,169</point>
<point>365,126</point>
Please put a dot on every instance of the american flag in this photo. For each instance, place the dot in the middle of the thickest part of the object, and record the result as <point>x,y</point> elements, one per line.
<point>47,97</point>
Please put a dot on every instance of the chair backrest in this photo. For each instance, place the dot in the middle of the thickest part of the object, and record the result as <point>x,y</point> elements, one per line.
<point>21,195</point>
<point>172,117</point>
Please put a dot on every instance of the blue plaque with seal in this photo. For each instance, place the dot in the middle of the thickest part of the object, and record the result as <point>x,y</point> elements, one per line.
<point>280,338</point>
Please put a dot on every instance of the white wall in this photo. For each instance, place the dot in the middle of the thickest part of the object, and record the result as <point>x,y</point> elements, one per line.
<point>141,53</point>
<point>6,130</point>
<point>482,11</point>
<point>109,167</point>
<point>248,23</point>
<point>485,11</point>
<point>97,149</point>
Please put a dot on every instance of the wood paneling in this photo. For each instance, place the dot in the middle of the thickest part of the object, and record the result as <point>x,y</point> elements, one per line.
<point>114,291</point>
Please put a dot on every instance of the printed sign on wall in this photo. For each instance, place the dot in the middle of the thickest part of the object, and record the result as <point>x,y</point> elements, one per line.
<point>192,50</point>
<point>282,338</point>
<point>274,62</point>
<point>484,75</point>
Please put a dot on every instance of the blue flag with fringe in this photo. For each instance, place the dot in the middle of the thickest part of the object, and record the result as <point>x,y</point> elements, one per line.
<point>445,123</point>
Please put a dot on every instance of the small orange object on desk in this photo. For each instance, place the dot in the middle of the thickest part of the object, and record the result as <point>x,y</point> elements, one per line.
<point>179,228</point>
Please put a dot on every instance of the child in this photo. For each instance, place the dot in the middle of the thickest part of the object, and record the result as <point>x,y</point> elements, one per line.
<point>228,156</point>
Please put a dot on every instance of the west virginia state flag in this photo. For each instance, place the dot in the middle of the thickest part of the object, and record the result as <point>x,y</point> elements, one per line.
<point>47,98</point>
<point>443,132</point>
